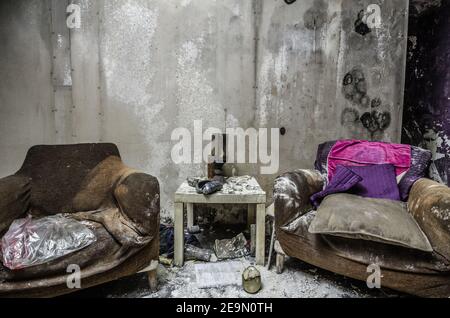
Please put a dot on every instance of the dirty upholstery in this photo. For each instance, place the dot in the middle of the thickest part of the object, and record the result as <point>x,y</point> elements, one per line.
<point>380,220</point>
<point>88,182</point>
<point>14,199</point>
<point>429,203</point>
<point>406,270</point>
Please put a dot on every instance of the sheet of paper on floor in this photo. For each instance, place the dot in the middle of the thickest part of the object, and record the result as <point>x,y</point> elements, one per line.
<point>218,274</point>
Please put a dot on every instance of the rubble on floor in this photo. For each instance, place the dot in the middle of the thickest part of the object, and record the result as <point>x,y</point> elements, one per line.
<point>299,280</point>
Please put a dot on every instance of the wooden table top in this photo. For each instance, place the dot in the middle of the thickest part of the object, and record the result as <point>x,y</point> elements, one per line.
<point>237,190</point>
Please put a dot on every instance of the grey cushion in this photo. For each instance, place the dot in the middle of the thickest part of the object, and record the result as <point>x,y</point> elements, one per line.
<point>379,220</point>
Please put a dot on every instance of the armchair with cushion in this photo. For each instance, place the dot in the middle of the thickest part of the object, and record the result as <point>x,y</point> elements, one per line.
<point>87,182</point>
<point>403,269</point>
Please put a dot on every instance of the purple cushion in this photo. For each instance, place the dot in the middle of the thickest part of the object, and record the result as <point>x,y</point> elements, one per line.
<point>343,180</point>
<point>420,161</point>
<point>378,181</point>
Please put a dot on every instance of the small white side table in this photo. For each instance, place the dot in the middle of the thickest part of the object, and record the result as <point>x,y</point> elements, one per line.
<point>253,196</point>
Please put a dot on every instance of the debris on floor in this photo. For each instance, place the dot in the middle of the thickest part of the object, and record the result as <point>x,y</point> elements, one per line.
<point>251,280</point>
<point>218,274</point>
<point>296,281</point>
<point>195,253</point>
<point>166,240</point>
<point>231,248</point>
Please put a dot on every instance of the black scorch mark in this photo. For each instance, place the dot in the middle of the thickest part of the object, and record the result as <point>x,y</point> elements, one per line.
<point>376,103</point>
<point>376,121</point>
<point>354,88</point>
<point>361,27</point>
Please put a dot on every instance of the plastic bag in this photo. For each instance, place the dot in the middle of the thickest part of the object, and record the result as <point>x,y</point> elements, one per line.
<point>31,241</point>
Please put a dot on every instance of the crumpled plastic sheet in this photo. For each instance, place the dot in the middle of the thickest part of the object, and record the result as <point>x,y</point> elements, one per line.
<point>231,248</point>
<point>30,242</point>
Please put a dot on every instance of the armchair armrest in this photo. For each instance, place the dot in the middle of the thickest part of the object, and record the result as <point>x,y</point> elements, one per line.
<point>138,197</point>
<point>15,194</point>
<point>291,193</point>
<point>429,203</point>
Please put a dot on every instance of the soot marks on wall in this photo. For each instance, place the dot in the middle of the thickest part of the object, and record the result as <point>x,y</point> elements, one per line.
<point>426,117</point>
<point>376,121</point>
<point>355,87</point>
<point>256,58</point>
<point>360,26</point>
<point>375,118</point>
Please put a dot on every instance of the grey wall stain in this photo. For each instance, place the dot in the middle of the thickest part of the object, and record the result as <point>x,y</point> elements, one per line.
<point>354,88</point>
<point>145,67</point>
<point>316,16</point>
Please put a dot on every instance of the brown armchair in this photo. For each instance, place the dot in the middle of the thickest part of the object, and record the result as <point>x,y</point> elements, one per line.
<point>405,270</point>
<point>88,182</point>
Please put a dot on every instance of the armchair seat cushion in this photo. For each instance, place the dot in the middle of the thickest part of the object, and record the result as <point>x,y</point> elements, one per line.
<point>98,252</point>
<point>378,220</point>
<point>333,251</point>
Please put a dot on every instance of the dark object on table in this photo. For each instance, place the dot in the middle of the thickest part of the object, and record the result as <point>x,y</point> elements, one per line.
<point>209,186</point>
<point>403,269</point>
<point>193,181</point>
<point>290,1</point>
<point>90,183</point>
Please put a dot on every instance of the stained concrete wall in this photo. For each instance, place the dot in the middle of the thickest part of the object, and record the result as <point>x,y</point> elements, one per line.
<point>26,91</point>
<point>137,69</point>
<point>307,52</point>
<point>427,95</point>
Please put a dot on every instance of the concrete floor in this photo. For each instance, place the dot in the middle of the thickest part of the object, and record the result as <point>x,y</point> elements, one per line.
<point>299,280</point>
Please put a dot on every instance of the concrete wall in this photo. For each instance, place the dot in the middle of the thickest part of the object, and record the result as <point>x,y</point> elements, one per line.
<point>427,95</point>
<point>137,69</point>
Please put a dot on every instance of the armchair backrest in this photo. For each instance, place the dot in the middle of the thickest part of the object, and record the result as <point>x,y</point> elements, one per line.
<point>57,172</point>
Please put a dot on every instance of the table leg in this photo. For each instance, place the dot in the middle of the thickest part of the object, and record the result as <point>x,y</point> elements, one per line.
<point>190,215</point>
<point>179,235</point>
<point>251,214</point>
<point>260,233</point>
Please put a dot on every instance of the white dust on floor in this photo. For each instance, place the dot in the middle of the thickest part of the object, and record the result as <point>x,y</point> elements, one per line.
<point>292,283</point>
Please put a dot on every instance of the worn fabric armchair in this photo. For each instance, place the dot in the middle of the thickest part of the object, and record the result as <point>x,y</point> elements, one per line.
<point>87,182</point>
<point>402,269</point>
